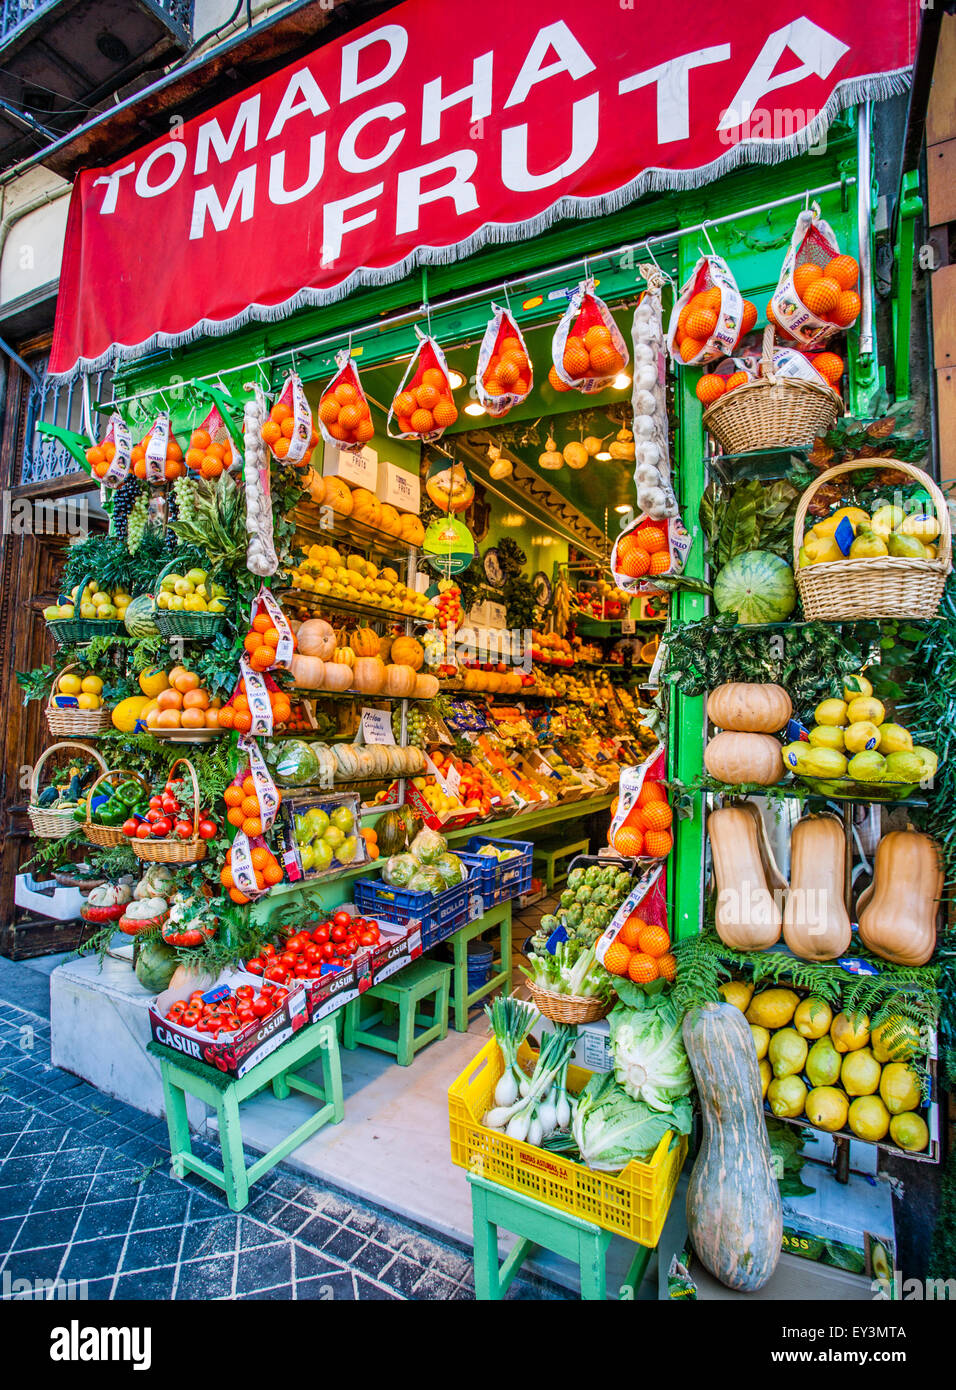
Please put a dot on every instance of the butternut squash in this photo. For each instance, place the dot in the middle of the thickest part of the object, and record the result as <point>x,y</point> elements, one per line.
<point>815,921</point>
<point>748,914</point>
<point>734,1216</point>
<point>899,919</point>
<point>747,708</point>
<point>771,869</point>
<point>737,758</point>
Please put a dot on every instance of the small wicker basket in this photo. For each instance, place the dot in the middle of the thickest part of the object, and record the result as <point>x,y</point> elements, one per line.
<point>56,822</point>
<point>568,1008</point>
<point>176,851</point>
<point>108,836</point>
<point>772,412</point>
<point>77,629</point>
<point>176,623</point>
<point>74,723</point>
<point>884,586</point>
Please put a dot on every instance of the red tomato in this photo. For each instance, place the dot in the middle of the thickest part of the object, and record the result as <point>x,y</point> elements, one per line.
<point>162,827</point>
<point>288,959</point>
<point>351,944</point>
<point>277,973</point>
<point>368,938</point>
<point>328,950</point>
<point>321,934</point>
<point>244,992</point>
<point>230,1023</point>
<point>156,803</point>
<point>358,924</point>
<point>184,829</point>
<point>144,830</point>
<point>314,972</point>
<point>189,1018</point>
<point>301,970</point>
<point>279,997</point>
<point>168,803</point>
<point>339,932</point>
<point>255,966</point>
<point>129,827</point>
<point>267,950</point>
<point>261,1006</point>
<point>342,918</point>
<point>342,951</point>
<point>208,829</point>
<point>246,1013</point>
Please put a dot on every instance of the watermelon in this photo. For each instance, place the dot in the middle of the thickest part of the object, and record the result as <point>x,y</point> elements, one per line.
<point>138,618</point>
<point>758,586</point>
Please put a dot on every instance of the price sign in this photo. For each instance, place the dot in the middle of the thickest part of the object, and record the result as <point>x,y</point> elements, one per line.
<point>377,726</point>
<point>628,625</point>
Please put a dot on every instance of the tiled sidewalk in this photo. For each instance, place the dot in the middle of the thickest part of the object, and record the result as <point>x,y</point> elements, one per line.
<point>86,1194</point>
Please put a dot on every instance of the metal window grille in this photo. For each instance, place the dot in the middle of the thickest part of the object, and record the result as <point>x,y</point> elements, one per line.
<point>57,403</point>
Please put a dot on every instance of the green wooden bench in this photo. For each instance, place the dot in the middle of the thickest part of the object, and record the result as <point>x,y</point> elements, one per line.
<point>461,1000</point>
<point>539,1226</point>
<point>415,984</point>
<point>184,1076</point>
<point>550,851</point>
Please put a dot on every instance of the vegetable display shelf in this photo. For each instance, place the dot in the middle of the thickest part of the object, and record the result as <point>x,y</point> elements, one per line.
<point>358,610</point>
<point>347,531</point>
<point>764,465</point>
<point>299,692</point>
<point>794,791</point>
<point>531,820</point>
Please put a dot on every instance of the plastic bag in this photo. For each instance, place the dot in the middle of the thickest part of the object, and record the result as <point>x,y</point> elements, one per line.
<point>647,900</point>
<point>210,449</point>
<point>634,833</point>
<point>652,471</point>
<point>398,869</point>
<point>289,431</point>
<point>588,349</point>
<point>816,295</point>
<point>423,407</point>
<point>110,460</point>
<point>505,374</point>
<point>428,846</point>
<point>261,557</point>
<point>710,315</point>
<point>345,420</point>
<point>158,458</point>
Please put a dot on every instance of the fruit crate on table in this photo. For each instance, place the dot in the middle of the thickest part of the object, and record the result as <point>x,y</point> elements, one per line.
<point>633,1203</point>
<point>499,882</point>
<point>440,914</point>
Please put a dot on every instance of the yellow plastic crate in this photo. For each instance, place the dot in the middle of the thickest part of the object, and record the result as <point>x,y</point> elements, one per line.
<point>633,1203</point>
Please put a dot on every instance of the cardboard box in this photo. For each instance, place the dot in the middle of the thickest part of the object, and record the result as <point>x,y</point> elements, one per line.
<point>242,1050</point>
<point>358,470</point>
<point>398,487</point>
<point>395,952</point>
<point>298,803</point>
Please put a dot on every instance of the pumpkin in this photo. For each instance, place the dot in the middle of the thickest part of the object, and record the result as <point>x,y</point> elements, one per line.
<point>364,642</point>
<point>338,496</point>
<point>389,520</point>
<point>368,674</point>
<point>344,656</point>
<point>412,529</point>
<point>734,1216</point>
<point>316,638</point>
<point>426,688</point>
<point>736,758</point>
<point>144,915</point>
<point>337,676</point>
<point>399,679</point>
<point>755,709</point>
<point>748,915</point>
<point>366,507</point>
<point>308,672</point>
<point>815,921</point>
<point>408,651</point>
<point>317,488</point>
<point>898,921</point>
<point>771,869</point>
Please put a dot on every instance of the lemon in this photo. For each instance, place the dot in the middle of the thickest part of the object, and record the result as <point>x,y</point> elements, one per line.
<point>832,712</point>
<point>894,739</point>
<point>854,686</point>
<point>92,685</point>
<point>906,766</point>
<point>868,546</point>
<point>886,519</point>
<point>860,1073</point>
<point>812,1017</point>
<point>899,1087</point>
<point>827,1108</point>
<point>821,550</point>
<point>761,1037</point>
<point>87,701</point>
<point>861,736</point>
<point>921,524</point>
<point>865,707</point>
<point>823,1063</point>
<point>787,1052</point>
<point>787,1096</point>
<point>772,1008</point>
<point>867,767</point>
<point>850,1034</point>
<point>928,761</point>
<point>909,1131</point>
<point>69,685</point>
<point>766,1076</point>
<point>827,736</point>
<point>795,754</point>
<point>894,1040</point>
<point>868,1118</point>
<point>822,762</point>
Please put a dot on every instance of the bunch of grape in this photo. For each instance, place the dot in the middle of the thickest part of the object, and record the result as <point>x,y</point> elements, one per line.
<point>185,501</point>
<point>136,521</point>
<point>170,539</point>
<point>414,725</point>
<point>125,496</point>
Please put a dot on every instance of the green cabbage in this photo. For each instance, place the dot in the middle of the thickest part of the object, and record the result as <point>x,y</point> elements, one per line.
<point>649,1057</point>
<point>610,1128</point>
<point>452,870</point>
<point>292,762</point>
<point>427,880</point>
<point>428,846</point>
<point>399,869</point>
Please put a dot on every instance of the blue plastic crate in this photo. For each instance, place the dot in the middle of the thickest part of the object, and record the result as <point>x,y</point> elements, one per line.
<point>440,914</point>
<point>485,870</point>
<point>512,878</point>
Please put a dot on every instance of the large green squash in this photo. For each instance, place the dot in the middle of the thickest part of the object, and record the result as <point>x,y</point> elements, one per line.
<point>734,1216</point>
<point>155,964</point>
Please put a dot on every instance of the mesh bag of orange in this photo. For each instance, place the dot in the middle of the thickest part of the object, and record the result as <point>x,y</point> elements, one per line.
<point>157,458</point>
<point>817,293</point>
<point>251,868</point>
<point>588,349</point>
<point>110,460</point>
<point>642,820</point>
<point>345,420</point>
<point>636,942</point>
<point>649,550</point>
<point>210,447</point>
<point>710,315</point>
<point>289,431</point>
<point>257,704</point>
<point>505,375</point>
<point>423,406</point>
<point>269,641</point>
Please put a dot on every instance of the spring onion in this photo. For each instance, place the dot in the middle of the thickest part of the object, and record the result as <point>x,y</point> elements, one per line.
<point>511,1021</point>
<point>534,1116</point>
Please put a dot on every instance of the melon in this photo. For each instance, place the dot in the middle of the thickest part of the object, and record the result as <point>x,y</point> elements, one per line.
<point>129,712</point>
<point>155,964</point>
<point>758,586</point>
<point>138,618</point>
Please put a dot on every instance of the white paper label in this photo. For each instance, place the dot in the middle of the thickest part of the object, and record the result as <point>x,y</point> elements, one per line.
<point>377,726</point>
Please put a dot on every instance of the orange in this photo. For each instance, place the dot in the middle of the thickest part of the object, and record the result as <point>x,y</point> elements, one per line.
<point>510,344</point>
<point>262,658</point>
<point>261,622</point>
<point>281,447</point>
<point>404,403</point>
<point>749,317</point>
<point>225,878</point>
<point>169,719</point>
<point>280,411</point>
<point>226,716</point>
<point>844,270</point>
<point>700,324</point>
<point>211,467</point>
<point>522,386</point>
<point>617,958</point>
<point>349,417</point>
<point>193,719</point>
<point>195,699</point>
<point>830,365</point>
<point>169,699</point>
<point>576,358</point>
<point>597,334</point>
<point>251,641</point>
<point>234,816</point>
<point>272,873</point>
<point>433,376</point>
<point>242,722</point>
<point>508,372</point>
<point>216,450</point>
<point>804,276</point>
<point>270,638</point>
<point>237,896</point>
<point>555,380</point>
<point>661,562</point>
<point>252,827</point>
<point>847,308</point>
<point>287,428</point>
<point>642,969</point>
<point>422,421</point>
<point>605,360</point>
<point>185,680</point>
<point>493,386</point>
<point>445,412</point>
<point>710,388</point>
<point>212,718</point>
<point>736,379</point>
<point>241,703</point>
<point>365,431</point>
<point>667,967</point>
<point>652,539</point>
<point>658,843</point>
<point>270,432</point>
<point>650,791</point>
<point>653,940</point>
<point>427,397</point>
<point>260,857</point>
<point>635,563</point>
<point>250,805</point>
<point>200,439</point>
<point>822,296</point>
<point>194,458</point>
<point>345,392</point>
<point>628,841</point>
<point>770,317</point>
<point>657,815</point>
<point>707,299</point>
<point>631,930</point>
<point>689,348</point>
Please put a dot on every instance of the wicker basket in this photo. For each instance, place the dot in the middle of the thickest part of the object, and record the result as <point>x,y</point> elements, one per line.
<point>175,623</point>
<point>884,586</point>
<point>176,851</point>
<point>57,822</point>
<point>568,1008</point>
<point>74,723</point>
<point>108,836</point>
<point>70,630</point>
<point>772,412</point>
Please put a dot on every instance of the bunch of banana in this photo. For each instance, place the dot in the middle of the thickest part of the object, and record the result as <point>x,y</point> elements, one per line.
<point>562,605</point>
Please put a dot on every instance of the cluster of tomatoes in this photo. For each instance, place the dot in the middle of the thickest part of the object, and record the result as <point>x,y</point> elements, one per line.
<point>643,551</point>
<point>278,430</point>
<point>167,818</point>
<point>205,458</point>
<point>641,951</point>
<point>332,942</point>
<point>229,1013</point>
<point>426,406</point>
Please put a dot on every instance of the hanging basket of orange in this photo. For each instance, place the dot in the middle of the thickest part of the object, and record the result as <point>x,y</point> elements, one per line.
<point>290,432</point>
<point>505,375</point>
<point>157,458</point>
<point>710,316</point>
<point>210,451</point>
<point>111,460</point>
<point>817,295</point>
<point>637,943</point>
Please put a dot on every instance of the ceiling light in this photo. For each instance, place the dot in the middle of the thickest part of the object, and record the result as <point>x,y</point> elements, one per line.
<point>603,456</point>
<point>475,408</point>
<point>623,509</point>
<point>455,379</point>
<point>621,381</point>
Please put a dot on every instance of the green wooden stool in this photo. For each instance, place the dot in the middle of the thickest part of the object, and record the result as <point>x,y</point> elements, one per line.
<point>461,1000</point>
<point>550,851</point>
<point>536,1225</point>
<point>423,979</point>
<point>183,1075</point>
